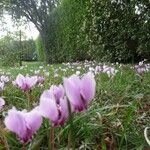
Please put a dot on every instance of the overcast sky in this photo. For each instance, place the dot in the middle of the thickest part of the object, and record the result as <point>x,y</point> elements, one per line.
<point>30,30</point>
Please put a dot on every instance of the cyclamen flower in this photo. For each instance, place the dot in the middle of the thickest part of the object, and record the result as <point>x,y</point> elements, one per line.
<point>80,91</point>
<point>2,84</point>
<point>41,80</point>
<point>91,69</point>
<point>141,63</point>
<point>2,103</point>
<point>23,124</point>
<point>98,69</point>
<point>53,105</point>
<point>25,83</point>
<point>57,93</point>
<point>140,70</point>
<point>111,72</point>
<point>4,79</point>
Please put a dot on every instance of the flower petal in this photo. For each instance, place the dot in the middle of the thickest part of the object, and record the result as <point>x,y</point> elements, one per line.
<point>72,88</point>
<point>88,86</point>
<point>20,80</point>
<point>63,110</point>
<point>48,107</point>
<point>2,103</point>
<point>31,81</point>
<point>56,92</point>
<point>15,122</point>
<point>33,120</point>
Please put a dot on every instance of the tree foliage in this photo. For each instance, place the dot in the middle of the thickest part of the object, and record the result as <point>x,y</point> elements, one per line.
<point>10,50</point>
<point>40,49</point>
<point>112,30</point>
<point>70,17</point>
<point>118,29</point>
<point>37,11</point>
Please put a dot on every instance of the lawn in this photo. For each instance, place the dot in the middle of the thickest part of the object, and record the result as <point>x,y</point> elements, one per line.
<point>115,119</point>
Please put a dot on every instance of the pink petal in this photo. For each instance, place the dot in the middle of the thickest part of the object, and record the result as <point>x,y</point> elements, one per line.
<point>31,81</point>
<point>64,110</point>
<point>33,120</point>
<point>48,107</point>
<point>72,88</point>
<point>2,84</point>
<point>2,103</point>
<point>15,122</point>
<point>56,92</point>
<point>20,80</point>
<point>88,86</point>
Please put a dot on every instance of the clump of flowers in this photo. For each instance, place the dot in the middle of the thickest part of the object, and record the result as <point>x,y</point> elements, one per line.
<point>4,79</point>
<point>25,83</point>
<point>53,105</point>
<point>57,104</point>
<point>141,68</point>
<point>111,72</point>
<point>41,80</point>
<point>80,91</point>
<point>23,124</point>
<point>98,69</point>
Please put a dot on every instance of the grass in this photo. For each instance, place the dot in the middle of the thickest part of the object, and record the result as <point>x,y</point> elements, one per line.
<point>115,119</point>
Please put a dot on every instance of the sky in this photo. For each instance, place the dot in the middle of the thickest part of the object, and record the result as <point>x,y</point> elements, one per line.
<point>30,31</point>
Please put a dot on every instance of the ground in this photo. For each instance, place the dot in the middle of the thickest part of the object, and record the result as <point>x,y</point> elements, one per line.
<point>115,119</point>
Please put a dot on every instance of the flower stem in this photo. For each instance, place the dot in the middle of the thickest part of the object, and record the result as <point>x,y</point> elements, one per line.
<point>28,98</point>
<point>4,140</point>
<point>23,146</point>
<point>52,139</point>
<point>71,138</point>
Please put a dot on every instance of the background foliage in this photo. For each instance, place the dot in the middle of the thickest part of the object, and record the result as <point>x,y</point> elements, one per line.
<point>40,49</point>
<point>71,30</point>
<point>11,52</point>
<point>102,30</point>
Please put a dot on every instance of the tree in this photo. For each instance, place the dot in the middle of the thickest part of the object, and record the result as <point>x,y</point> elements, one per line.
<point>38,12</point>
<point>118,29</point>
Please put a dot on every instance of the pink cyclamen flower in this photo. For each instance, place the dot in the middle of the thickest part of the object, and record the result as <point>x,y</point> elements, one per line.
<point>80,91</point>
<point>4,79</point>
<point>140,69</point>
<point>41,80</point>
<point>111,72</point>
<point>2,103</point>
<point>25,83</point>
<point>53,105</point>
<point>57,92</point>
<point>23,124</point>
<point>98,69</point>
<point>2,84</point>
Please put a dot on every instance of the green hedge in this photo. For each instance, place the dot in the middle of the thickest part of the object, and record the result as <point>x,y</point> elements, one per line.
<point>99,30</point>
<point>40,49</point>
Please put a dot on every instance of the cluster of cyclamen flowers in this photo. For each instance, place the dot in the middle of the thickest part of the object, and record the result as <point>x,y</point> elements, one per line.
<point>55,104</point>
<point>25,83</point>
<point>142,68</point>
<point>111,72</point>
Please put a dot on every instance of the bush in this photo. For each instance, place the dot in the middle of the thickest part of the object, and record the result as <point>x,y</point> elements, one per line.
<point>40,49</point>
<point>11,53</point>
<point>101,30</point>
